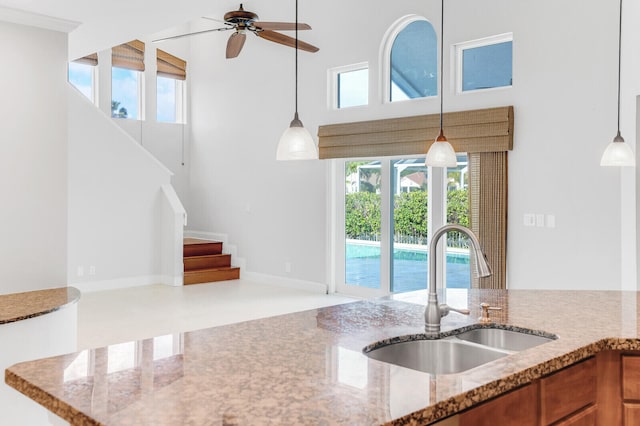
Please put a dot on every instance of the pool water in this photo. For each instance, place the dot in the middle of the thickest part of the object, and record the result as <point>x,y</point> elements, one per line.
<point>410,268</point>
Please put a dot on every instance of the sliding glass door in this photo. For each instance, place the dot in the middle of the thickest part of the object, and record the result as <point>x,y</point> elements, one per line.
<point>385,222</point>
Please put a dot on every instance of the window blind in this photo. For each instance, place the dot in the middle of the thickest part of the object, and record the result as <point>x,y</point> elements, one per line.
<point>485,130</point>
<point>128,55</point>
<point>488,213</point>
<point>91,59</point>
<point>170,66</point>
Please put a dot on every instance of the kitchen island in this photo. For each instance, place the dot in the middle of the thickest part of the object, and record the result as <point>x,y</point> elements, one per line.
<point>34,324</point>
<point>308,367</point>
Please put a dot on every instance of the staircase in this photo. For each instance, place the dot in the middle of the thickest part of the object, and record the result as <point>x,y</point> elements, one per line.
<point>204,262</point>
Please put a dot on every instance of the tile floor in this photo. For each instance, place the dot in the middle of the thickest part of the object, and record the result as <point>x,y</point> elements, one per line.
<point>116,316</point>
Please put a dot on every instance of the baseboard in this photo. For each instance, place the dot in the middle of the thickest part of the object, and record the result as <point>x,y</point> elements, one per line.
<point>284,282</point>
<point>129,282</point>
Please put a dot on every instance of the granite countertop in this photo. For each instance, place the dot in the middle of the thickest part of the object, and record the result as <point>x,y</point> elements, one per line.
<point>20,306</point>
<point>308,367</point>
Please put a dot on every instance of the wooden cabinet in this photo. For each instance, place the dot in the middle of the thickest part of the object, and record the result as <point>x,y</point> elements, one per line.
<point>516,407</point>
<point>631,389</point>
<point>586,417</point>
<point>568,391</point>
<point>602,390</point>
<point>567,397</point>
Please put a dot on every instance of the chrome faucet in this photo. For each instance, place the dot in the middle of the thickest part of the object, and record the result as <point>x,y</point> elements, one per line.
<point>434,311</point>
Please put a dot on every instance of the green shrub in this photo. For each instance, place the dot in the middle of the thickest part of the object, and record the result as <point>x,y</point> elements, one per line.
<point>362,214</point>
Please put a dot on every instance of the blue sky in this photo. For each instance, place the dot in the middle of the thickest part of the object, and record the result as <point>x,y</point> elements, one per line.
<point>166,100</point>
<point>124,89</point>
<point>81,76</point>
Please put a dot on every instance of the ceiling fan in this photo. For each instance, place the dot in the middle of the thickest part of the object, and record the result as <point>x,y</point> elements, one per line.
<point>242,21</point>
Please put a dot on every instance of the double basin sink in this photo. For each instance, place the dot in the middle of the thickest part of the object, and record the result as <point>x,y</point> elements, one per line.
<point>457,352</point>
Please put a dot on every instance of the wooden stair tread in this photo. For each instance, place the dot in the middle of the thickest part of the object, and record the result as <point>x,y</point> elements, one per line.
<point>204,256</point>
<point>196,271</point>
<point>204,262</point>
<point>200,276</point>
<point>197,247</point>
<point>208,261</point>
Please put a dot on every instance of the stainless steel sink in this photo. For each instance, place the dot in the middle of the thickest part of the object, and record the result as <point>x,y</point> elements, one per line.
<point>503,339</point>
<point>456,353</point>
<point>442,356</point>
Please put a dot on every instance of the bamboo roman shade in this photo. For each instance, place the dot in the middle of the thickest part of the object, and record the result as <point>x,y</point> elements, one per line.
<point>488,213</point>
<point>88,60</point>
<point>171,66</point>
<point>128,55</point>
<point>485,130</point>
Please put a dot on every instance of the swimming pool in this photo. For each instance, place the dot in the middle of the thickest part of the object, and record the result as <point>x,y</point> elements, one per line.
<point>410,266</point>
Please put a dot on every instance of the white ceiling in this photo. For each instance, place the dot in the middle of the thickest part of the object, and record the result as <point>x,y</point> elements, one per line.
<point>102,24</point>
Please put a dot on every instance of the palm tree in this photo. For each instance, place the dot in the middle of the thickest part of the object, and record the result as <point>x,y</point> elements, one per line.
<point>116,112</point>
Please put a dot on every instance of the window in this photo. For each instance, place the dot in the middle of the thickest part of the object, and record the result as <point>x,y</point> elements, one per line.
<point>395,259</point>
<point>413,69</point>
<point>362,207</point>
<point>83,76</point>
<point>349,85</point>
<point>170,88</point>
<point>485,64</point>
<point>127,80</point>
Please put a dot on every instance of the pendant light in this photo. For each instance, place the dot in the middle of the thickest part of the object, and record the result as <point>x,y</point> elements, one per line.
<point>618,153</point>
<point>441,153</point>
<point>296,142</point>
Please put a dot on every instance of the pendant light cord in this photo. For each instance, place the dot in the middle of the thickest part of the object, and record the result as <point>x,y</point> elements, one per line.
<point>296,58</point>
<point>619,61</point>
<point>442,61</point>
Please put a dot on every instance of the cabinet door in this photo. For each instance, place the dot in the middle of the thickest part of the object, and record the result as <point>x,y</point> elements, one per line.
<point>519,407</point>
<point>568,391</point>
<point>583,418</point>
<point>631,414</point>
<point>631,377</point>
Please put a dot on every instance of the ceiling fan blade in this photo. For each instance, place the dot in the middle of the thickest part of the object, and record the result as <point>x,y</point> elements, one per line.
<point>219,20</point>
<point>234,45</point>
<point>281,26</point>
<point>286,40</point>
<point>191,34</point>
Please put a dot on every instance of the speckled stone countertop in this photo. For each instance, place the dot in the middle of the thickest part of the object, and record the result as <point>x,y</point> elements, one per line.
<point>20,306</point>
<point>307,368</point>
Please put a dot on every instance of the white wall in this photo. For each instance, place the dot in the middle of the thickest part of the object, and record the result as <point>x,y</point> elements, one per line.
<point>115,201</point>
<point>168,142</point>
<point>33,158</point>
<point>564,94</point>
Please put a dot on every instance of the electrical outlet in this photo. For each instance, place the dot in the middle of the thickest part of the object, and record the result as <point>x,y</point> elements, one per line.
<point>529,219</point>
<point>92,270</point>
<point>540,220</point>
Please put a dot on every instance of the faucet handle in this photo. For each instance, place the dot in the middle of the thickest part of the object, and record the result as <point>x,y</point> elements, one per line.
<point>445,309</point>
<point>484,319</point>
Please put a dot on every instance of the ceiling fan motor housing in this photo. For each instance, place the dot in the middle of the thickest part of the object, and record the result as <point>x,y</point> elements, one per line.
<point>240,16</point>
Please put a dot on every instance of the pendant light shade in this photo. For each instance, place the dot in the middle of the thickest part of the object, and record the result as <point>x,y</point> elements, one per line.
<point>441,153</point>
<point>618,153</point>
<point>296,142</point>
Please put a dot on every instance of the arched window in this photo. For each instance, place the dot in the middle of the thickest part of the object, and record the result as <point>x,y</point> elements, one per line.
<point>413,59</point>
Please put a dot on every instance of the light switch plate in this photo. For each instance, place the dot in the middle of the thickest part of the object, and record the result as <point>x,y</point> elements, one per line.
<point>551,221</point>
